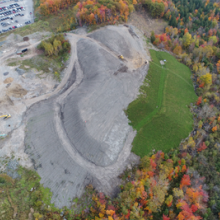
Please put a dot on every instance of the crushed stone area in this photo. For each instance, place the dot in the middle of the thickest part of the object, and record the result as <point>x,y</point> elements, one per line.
<point>76,133</point>
<point>83,128</point>
<point>58,171</point>
<point>17,87</point>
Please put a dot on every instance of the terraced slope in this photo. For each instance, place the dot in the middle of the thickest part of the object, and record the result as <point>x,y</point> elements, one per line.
<point>80,134</point>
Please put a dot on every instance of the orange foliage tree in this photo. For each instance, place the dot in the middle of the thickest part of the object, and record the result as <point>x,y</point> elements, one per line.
<point>150,189</point>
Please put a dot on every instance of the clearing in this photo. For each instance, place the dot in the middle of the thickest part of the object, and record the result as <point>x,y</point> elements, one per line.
<point>145,23</point>
<point>161,114</point>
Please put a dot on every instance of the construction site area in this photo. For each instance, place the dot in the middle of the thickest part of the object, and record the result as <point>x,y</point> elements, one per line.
<point>74,132</point>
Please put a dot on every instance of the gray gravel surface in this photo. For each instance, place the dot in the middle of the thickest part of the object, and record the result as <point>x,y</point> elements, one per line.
<point>80,134</point>
<point>57,170</point>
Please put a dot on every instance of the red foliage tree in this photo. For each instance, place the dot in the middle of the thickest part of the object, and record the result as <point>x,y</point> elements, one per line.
<point>165,217</point>
<point>199,101</point>
<point>201,85</point>
<point>194,208</point>
<point>185,181</point>
<point>202,147</point>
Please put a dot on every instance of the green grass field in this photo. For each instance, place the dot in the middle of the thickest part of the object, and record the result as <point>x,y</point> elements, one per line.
<point>160,114</point>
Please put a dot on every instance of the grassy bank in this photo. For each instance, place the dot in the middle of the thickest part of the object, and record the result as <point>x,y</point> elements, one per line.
<point>25,198</point>
<point>160,114</point>
<point>19,195</point>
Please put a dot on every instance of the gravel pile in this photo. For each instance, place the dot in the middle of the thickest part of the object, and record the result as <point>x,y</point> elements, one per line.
<point>81,134</point>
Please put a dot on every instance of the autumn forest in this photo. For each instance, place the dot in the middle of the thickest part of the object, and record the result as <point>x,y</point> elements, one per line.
<point>183,183</point>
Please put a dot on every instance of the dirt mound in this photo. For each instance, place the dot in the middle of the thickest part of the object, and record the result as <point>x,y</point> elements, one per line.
<point>5,100</point>
<point>82,130</point>
<point>16,91</point>
<point>123,42</point>
<point>26,39</point>
<point>8,80</point>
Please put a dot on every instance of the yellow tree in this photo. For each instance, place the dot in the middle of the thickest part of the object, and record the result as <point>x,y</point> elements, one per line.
<point>196,41</point>
<point>43,9</point>
<point>177,50</point>
<point>214,39</point>
<point>206,79</point>
<point>187,39</point>
<point>134,2</point>
<point>168,29</point>
<point>174,31</point>
<point>48,47</point>
<point>57,46</point>
<point>91,18</point>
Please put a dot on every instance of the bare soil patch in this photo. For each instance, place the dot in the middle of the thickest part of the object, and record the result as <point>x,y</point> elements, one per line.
<point>144,22</point>
<point>16,91</point>
<point>8,80</point>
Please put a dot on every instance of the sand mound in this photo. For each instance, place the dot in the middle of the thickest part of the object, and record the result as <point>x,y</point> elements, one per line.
<point>16,91</point>
<point>8,80</point>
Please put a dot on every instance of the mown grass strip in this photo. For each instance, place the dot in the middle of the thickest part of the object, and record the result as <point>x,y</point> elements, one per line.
<point>159,102</point>
<point>161,116</point>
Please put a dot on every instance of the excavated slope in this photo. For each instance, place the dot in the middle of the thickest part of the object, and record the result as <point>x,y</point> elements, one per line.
<point>81,135</point>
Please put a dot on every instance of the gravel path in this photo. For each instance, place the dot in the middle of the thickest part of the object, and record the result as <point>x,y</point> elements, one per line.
<point>79,134</point>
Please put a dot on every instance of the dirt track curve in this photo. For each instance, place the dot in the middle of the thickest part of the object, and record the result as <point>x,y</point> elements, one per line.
<point>79,134</point>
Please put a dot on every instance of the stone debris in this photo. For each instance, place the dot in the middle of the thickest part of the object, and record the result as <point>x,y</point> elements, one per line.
<point>20,71</point>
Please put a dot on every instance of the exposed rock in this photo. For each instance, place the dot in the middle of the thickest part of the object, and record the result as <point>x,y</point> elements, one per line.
<point>20,71</point>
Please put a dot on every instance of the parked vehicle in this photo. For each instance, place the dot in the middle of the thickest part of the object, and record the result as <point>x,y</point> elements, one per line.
<point>24,50</point>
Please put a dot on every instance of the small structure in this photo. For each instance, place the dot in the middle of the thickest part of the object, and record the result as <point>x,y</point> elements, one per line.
<point>162,62</point>
<point>19,52</point>
<point>24,50</point>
